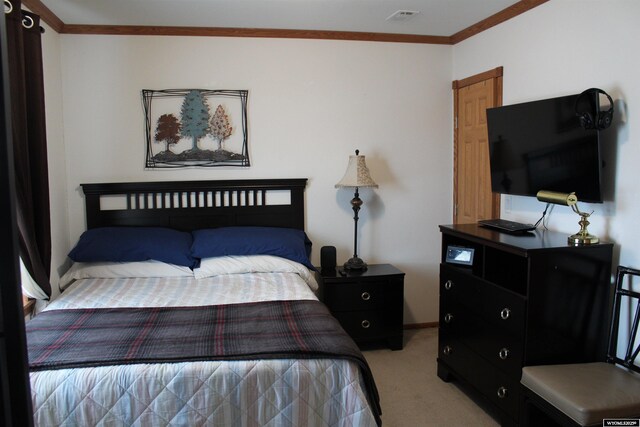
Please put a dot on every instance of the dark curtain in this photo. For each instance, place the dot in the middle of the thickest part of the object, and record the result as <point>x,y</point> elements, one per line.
<point>29,142</point>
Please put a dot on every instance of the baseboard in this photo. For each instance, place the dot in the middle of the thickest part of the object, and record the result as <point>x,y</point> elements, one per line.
<point>420,325</point>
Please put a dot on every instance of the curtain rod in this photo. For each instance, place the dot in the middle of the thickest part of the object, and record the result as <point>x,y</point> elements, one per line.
<point>27,20</point>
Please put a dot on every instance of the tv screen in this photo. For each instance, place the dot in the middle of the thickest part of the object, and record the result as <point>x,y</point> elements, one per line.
<point>540,145</point>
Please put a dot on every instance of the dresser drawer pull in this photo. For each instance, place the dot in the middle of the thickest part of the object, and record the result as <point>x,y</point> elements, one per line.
<point>503,353</point>
<point>448,318</point>
<point>448,284</point>
<point>366,296</point>
<point>505,313</point>
<point>447,350</point>
<point>502,392</point>
<point>365,324</point>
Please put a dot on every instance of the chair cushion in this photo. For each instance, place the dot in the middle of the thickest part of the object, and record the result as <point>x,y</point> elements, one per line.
<point>586,392</point>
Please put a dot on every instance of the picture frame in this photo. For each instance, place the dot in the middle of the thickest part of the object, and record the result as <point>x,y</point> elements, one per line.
<point>195,128</point>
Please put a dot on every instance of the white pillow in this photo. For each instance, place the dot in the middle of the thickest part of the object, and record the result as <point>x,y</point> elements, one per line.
<point>109,270</point>
<point>240,264</point>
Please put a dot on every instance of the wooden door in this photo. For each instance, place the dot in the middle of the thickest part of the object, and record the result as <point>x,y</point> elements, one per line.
<point>472,196</point>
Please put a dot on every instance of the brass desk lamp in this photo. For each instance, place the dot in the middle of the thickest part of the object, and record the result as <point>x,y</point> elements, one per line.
<point>582,237</point>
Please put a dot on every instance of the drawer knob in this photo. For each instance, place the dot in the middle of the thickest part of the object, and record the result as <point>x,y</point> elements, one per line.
<point>448,284</point>
<point>503,353</point>
<point>447,350</point>
<point>502,392</point>
<point>366,296</point>
<point>365,324</point>
<point>448,318</point>
<point>505,313</point>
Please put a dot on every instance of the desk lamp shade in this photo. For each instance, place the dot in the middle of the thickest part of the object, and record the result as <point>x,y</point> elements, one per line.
<point>356,176</point>
<point>582,237</point>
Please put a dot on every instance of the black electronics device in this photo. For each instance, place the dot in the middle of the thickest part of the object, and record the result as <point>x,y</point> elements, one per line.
<point>459,255</point>
<point>541,145</point>
<point>506,225</point>
<point>590,115</point>
<point>328,258</point>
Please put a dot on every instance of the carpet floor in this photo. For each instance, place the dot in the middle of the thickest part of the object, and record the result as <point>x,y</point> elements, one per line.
<point>411,394</point>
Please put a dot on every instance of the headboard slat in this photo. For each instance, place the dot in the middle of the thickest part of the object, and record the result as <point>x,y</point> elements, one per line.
<point>199,204</point>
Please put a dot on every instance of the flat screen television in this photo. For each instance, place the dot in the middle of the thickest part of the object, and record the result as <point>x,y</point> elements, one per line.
<point>540,145</point>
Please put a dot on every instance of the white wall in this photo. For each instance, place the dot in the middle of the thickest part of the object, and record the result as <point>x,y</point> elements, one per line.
<point>311,104</point>
<point>563,47</point>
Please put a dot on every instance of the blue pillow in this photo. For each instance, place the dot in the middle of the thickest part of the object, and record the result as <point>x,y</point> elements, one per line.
<point>287,243</point>
<point>128,244</point>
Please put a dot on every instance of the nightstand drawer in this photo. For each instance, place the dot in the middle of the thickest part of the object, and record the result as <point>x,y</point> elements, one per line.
<point>368,304</point>
<point>363,295</point>
<point>364,325</point>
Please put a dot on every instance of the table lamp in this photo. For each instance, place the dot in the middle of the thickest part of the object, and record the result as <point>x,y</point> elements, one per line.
<point>356,176</point>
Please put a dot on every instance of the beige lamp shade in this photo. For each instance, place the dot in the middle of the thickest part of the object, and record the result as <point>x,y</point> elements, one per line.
<point>357,174</point>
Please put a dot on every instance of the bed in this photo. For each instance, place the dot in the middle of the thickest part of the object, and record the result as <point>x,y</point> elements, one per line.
<point>230,333</point>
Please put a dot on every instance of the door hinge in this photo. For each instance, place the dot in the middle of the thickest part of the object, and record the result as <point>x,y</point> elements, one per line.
<point>455,122</point>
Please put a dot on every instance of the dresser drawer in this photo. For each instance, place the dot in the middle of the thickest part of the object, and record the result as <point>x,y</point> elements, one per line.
<point>500,307</point>
<point>363,295</point>
<point>497,387</point>
<point>460,286</point>
<point>500,347</point>
<point>365,325</point>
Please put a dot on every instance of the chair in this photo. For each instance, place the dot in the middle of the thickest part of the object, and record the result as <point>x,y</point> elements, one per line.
<point>585,394</point>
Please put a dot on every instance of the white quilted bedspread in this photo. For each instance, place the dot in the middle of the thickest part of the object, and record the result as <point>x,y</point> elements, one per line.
<point>182,291</point>
<point>320,392</point>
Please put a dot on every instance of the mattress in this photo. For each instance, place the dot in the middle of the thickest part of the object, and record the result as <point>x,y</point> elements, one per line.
<point>282,392</point>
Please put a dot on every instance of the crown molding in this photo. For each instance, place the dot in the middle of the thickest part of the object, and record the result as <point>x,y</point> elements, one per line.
<point>136,30</point>
<point>37,7</point>
<point>504,15</point>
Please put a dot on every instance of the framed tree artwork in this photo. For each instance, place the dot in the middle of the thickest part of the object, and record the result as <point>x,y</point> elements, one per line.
<point>195,128</point>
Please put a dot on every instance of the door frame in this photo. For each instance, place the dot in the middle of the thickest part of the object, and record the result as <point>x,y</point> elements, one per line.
<point>495,75</point>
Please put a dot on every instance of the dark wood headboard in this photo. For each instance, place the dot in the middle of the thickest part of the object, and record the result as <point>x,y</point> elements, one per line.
<point>190,205</point>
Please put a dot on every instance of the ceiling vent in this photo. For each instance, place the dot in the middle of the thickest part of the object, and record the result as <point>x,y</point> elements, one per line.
<point>402,15</point>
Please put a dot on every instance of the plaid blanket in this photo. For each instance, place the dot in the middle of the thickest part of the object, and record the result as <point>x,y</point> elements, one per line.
<point>78,338</point>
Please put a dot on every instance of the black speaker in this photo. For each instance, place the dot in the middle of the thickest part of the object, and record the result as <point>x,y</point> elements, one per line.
<point>328,257</point>
<point>592,117</point>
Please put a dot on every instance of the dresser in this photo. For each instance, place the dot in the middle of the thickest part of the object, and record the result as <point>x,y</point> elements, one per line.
<point>508,301</point>
<point>368,304</point>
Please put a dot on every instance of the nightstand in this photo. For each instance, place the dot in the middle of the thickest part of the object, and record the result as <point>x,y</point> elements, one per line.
<point>368,304</point>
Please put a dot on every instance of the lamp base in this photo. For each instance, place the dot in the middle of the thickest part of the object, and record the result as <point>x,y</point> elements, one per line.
<point>583,237</point>
<point>355,263</point>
